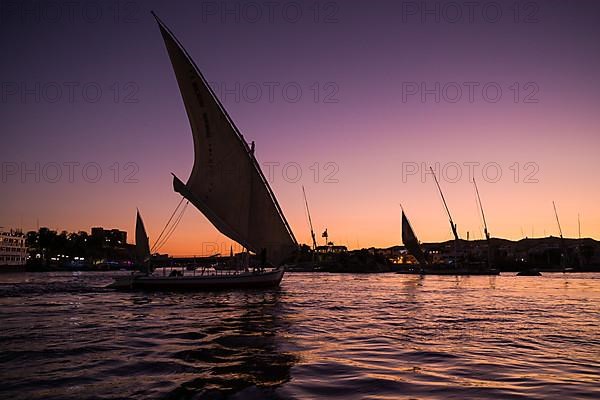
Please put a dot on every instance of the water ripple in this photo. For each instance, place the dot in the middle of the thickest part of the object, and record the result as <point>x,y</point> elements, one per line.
<point>63,336</point>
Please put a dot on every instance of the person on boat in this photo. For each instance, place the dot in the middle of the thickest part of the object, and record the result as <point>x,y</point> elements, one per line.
<point>263,261</point>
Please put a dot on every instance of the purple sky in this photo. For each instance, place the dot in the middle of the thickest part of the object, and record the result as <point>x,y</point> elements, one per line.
<point>359,59</point>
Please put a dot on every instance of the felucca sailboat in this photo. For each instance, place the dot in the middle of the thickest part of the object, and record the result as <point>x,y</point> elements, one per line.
<point>226,184</point>
<point>142,244</point>
<point>459,265</point>
<point>409,238</point>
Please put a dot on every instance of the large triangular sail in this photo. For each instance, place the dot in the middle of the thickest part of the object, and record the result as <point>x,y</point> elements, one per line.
<point>411,242</point>
<point>226,183</point>
<point>142,245</point>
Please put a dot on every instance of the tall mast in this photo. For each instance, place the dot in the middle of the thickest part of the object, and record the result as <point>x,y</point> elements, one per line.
<point>312,232</point>
<point>578,226</point>
<point>485,229</point>
<point>452,224</point>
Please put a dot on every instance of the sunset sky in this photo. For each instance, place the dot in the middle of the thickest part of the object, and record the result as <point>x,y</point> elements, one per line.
<point>361,118</point>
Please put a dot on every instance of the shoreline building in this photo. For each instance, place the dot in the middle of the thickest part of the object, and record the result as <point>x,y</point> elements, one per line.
<point>13,250</point>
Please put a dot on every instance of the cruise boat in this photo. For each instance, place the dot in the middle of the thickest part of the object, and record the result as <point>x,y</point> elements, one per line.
<point>13,251</point>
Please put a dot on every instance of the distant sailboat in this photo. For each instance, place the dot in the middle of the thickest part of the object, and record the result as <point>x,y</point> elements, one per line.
<point>142,257</point>
<point>142,244</point>
<point>411,242</point>
<point>226,184</point>
<point>459,264</point>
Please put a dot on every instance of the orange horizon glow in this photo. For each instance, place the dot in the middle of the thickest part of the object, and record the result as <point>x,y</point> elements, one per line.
<point>358,222</point>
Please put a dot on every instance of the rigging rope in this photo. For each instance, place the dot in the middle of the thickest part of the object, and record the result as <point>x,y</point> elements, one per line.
<point>172,229</point>
<point>166,225</point>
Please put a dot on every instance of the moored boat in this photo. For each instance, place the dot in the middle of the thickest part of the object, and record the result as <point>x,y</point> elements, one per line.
<point>529,272</point>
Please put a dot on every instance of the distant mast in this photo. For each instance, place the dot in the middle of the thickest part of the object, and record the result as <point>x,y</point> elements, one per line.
<point>452,224</point>
<point>579,245</point>
<point>312,232</point>
<point>557,220</point>
<point>485,229</point>
<point>563,258</point>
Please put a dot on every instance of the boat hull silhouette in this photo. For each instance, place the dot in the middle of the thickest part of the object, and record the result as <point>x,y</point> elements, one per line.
<point>450,269</point>
<point>244,280</point>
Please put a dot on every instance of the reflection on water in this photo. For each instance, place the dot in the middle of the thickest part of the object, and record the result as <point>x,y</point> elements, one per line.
<point>63,336</point>
<point>74,339</point>
<point>242,350</point>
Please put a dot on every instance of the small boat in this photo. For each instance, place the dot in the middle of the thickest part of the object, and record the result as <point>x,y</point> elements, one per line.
<point>529,272</point>
<point>449,269</point>
<point>227,185</point>
<point>209,282</point>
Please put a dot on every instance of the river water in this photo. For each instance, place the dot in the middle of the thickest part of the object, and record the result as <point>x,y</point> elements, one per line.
<point>384,336</point>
